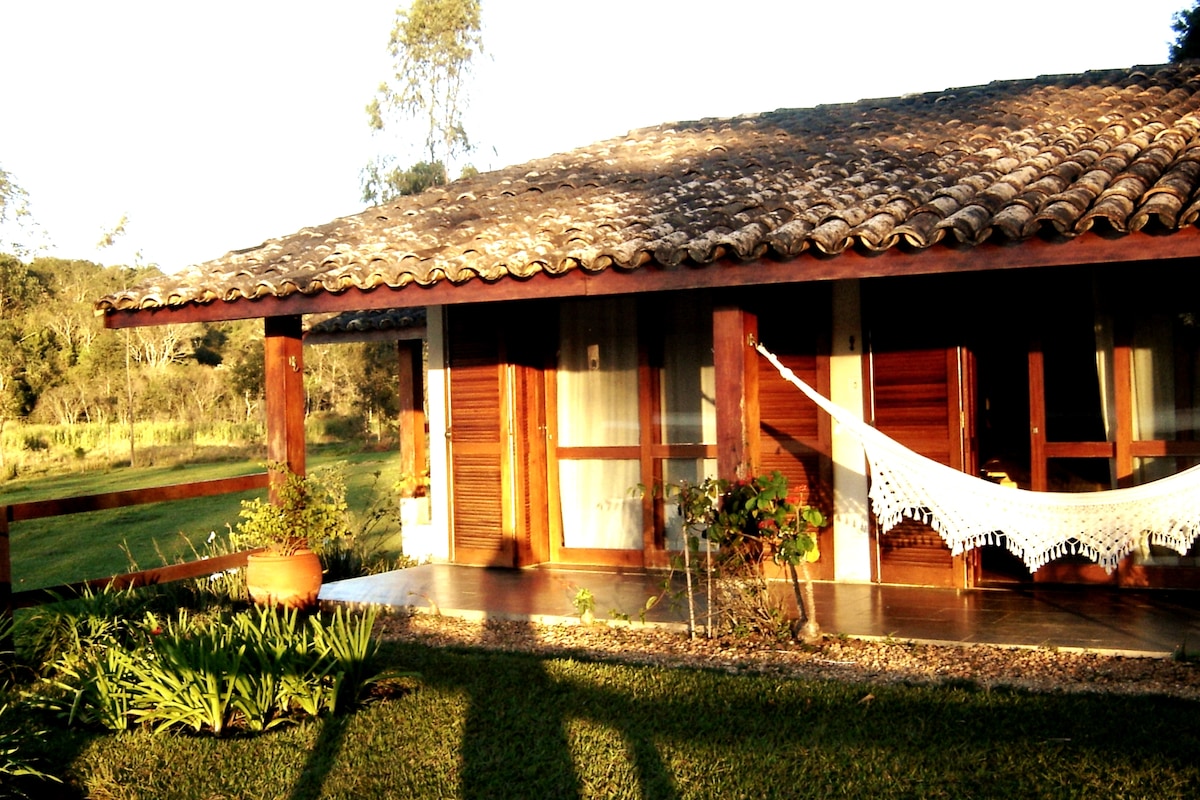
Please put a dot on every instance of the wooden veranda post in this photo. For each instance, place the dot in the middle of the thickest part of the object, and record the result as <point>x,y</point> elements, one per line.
<point>736,367</point>
<point>284,368</point>
<point>412,408</point>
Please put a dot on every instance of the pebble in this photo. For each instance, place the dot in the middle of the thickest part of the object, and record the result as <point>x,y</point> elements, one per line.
<point>838,658</point>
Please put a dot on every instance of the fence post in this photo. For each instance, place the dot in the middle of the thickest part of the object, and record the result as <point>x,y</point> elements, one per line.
<point>6,606</point>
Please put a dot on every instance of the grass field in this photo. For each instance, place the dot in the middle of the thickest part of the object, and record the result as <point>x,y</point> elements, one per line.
<point>102,543</point>
<point>476,723</point>
<point>479,724</point>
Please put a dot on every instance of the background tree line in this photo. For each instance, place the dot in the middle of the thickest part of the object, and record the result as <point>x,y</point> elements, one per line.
<point>60,367</point>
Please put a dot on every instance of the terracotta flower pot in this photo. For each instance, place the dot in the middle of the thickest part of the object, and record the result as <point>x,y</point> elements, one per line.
<point>291,581</point>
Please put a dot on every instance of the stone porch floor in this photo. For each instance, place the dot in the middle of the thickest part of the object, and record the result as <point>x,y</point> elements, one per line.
<point>1138,623</point>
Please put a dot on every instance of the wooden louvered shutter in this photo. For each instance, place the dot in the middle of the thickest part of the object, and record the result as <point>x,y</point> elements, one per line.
<point>477,437</point>
<point>917,401</point>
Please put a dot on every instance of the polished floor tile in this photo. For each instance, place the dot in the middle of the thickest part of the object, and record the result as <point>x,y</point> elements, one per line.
<point>1155,623</point>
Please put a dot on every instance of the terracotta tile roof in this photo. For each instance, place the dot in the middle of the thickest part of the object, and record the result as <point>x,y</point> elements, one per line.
<point>1062,155</point>
<point>392,319</point>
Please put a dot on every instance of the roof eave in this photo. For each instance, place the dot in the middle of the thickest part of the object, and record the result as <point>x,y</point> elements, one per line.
<point>1091,248</point>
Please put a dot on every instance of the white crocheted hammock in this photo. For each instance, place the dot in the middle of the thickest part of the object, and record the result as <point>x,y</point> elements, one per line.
<point>1037,527</point>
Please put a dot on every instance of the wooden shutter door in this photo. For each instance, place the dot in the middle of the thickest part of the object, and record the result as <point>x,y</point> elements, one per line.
<point>478,434</point>
<point>919,402</point>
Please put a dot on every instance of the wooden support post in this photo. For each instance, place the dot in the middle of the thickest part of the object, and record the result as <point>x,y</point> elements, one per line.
<point>411,390</point>
<point>1039,479</point>
<point>736,366</point>
<point>284,367</point>
<point>1123,408</point>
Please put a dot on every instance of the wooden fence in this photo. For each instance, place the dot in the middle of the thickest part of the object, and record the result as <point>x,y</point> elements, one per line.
<point>40,509</point>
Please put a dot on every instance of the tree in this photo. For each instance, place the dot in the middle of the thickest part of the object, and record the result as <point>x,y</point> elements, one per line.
<point>1187,40</point>
<point>14,206</point>
<point>381,180</point>
<point>432,43</point>
<point>19,286</point>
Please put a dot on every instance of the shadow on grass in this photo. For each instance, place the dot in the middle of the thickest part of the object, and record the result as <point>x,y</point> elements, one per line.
<point>515,737</point>
<point>321,758</point>
<point>567,727</point>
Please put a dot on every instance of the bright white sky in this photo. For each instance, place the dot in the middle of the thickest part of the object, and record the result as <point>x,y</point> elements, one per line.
<point>217,125</point>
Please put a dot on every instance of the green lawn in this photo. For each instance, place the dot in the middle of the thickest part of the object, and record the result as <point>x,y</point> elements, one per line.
<point>490,725</point>
<point>98,544</point>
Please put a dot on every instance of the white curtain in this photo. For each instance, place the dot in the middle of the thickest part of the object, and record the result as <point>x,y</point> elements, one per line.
<point>601,506</point>
<point>598,407</point>
<point>598,373</point>
<point>1153,392</point>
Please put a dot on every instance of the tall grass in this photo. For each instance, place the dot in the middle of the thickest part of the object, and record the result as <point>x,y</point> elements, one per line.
<point>31,450</point>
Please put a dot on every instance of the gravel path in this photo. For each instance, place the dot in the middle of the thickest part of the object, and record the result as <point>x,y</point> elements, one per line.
<point>875,662</point>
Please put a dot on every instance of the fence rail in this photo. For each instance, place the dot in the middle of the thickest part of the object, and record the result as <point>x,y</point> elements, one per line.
<point>41,509</point>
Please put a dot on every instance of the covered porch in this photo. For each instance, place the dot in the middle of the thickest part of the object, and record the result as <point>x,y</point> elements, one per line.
<point>1149,623</point>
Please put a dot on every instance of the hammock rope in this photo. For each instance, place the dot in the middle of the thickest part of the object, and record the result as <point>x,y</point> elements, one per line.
<point>1036,527</point>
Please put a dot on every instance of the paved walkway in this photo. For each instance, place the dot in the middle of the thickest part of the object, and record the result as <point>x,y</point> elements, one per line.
<point>1143,623</point>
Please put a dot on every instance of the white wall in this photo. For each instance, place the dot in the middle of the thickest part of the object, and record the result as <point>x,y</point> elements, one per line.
<point>431,540</point>
<point>851,533</point>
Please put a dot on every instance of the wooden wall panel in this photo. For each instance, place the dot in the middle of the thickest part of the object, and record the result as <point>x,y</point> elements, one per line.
<point>795,434</point>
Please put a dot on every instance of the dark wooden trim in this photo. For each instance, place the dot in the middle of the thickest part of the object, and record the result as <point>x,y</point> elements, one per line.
<point>599,556</point>
<point>1079,449</point>
<point>661,451</point>
<point>1158,448</point>
<point>129,580</point>
<point>285,399</point>
<point>1090,248</point>
<point>628,452</point>
<point>736,366</point>
<point>40,509</point>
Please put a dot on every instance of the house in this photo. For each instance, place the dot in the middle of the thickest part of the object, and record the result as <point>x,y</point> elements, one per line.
<point>1000,277</point>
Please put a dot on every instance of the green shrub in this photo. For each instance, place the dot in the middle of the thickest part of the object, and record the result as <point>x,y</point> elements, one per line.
<point>248,671</point>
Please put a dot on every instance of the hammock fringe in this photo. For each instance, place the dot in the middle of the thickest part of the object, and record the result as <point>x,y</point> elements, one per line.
<point>1036,527</point>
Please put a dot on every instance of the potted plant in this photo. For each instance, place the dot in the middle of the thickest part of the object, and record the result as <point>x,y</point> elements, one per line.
<point>309,514</point>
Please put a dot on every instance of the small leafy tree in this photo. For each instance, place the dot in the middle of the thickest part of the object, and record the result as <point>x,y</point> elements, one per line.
<point>310,513</point>
<point>753,521</point>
